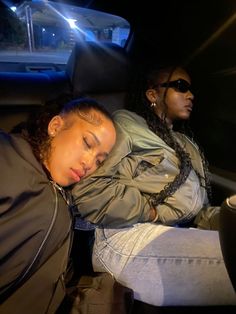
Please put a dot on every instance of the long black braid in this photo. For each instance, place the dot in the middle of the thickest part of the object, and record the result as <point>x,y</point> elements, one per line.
<point>138,102</point>
<point>205,181</point>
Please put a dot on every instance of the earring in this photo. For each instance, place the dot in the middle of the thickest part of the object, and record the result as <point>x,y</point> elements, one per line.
<point>153,105</point>
<point>52,134</point>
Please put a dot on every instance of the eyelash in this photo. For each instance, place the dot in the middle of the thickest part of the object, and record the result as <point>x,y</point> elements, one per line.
<point>98,162</point>
<point>86,142</point>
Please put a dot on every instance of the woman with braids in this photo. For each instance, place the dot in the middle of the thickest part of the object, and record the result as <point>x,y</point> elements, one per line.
<point>57,149</point>
<point>166,97</point>
<point>154,181</point>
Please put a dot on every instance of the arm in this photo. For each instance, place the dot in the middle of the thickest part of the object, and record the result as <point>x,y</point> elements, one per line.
<point>103,198</point>
<point>110,203</point>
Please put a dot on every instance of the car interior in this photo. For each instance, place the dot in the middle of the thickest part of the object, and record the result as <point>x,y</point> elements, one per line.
<point>198,34</point>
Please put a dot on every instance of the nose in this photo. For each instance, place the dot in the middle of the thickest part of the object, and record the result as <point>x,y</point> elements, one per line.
<point>88,162</point>
<point>190,95</point>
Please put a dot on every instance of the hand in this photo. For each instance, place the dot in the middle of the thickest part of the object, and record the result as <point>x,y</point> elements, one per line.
<point>153,216</point>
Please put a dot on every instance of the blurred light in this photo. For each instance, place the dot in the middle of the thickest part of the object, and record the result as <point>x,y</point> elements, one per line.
<point>72,23</point>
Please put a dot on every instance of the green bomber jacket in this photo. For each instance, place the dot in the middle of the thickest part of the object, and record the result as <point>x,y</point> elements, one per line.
<point>140,164</point>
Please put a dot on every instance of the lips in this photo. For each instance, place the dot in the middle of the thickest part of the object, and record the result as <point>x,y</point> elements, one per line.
<point>76,174</point>
<point>189,107</point>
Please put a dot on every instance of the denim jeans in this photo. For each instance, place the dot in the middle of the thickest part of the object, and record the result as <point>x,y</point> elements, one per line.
<point>165,266</point>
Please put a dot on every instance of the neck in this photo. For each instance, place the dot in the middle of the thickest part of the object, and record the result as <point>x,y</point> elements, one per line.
<point>164,117</point>
<point>166,120</point>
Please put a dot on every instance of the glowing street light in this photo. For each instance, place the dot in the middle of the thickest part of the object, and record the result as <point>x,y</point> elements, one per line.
<point>72,22</point>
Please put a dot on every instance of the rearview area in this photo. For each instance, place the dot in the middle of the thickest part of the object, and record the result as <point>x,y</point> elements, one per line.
<point>45,31</point>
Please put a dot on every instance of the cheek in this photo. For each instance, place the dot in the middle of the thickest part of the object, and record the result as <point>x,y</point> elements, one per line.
<point>174,102</point>
<point>67,148</point>
<point>60,156</point>
<point>92,169</point>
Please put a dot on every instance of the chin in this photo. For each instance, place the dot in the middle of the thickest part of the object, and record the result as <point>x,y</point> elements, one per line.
<point>185,116</point>
<point>62,182</point>
<point>65,184</point>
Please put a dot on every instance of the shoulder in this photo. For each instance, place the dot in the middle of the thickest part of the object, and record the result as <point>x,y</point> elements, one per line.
<point>17,153</point>
<point>13,143</point>
<point>129,120</point>
<point>134,128</point>
<point>185,139</point>
<point>123,114</point>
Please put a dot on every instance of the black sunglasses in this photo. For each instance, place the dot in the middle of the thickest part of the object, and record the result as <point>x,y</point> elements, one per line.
<point>179,85</point>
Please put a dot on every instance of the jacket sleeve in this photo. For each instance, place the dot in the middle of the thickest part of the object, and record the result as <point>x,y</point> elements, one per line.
<point>182,206</point>
<point>103,199</point>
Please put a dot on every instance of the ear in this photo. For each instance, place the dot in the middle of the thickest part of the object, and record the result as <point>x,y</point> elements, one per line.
<point>55,125</point>
<point>152,95</point>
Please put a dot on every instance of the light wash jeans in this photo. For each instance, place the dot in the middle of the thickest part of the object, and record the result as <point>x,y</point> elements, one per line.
<point>165,266</point>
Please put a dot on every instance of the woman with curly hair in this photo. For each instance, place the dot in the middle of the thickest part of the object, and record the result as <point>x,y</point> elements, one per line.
<point>57,148</point>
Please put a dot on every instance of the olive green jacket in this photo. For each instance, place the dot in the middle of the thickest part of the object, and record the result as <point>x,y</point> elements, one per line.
<point>140,164</point>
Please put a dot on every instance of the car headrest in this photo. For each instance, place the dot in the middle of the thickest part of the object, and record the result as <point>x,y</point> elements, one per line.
<point>98,68</point>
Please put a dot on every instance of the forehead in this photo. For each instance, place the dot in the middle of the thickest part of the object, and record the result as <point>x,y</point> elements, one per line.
<point>87,118</point>
<point>99,125</point>
<point>180,73</point>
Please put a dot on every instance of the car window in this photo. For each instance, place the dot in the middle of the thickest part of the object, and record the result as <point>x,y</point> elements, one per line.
<point>45,31</point>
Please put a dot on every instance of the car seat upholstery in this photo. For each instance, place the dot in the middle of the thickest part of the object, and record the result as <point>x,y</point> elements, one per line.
<point>100,71</point>
<point>24,92</point>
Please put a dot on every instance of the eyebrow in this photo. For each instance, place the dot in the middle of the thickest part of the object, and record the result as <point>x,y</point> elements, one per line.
<point>95,137</point>
<point>98,142</point>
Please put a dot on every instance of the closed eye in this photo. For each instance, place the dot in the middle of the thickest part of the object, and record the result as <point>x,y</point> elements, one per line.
<point>86,142</point>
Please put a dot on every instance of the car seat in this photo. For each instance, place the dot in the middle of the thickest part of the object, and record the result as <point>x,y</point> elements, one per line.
<point>100,71</point>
